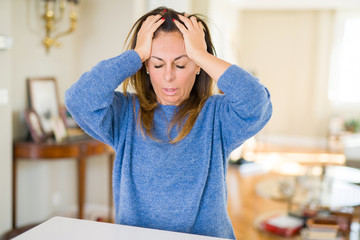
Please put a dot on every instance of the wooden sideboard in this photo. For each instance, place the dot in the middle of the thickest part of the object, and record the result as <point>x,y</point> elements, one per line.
<point>51,151</point>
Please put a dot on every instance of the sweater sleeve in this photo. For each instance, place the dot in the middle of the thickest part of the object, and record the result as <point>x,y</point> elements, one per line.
<point>246,106</point>
<point>93,102</point>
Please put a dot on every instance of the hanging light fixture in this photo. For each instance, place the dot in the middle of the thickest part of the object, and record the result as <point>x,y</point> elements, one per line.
<point>54,17</point>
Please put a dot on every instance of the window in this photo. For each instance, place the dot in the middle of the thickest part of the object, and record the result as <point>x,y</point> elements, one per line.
<point>344,85</point>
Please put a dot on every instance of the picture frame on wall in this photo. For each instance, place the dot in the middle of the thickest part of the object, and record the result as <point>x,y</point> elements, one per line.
<point>43,99</point>
<point>34,125</point>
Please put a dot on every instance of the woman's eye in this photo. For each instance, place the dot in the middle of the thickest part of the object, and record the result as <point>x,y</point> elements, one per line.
<point>158,66</point>
<point>181,67</point>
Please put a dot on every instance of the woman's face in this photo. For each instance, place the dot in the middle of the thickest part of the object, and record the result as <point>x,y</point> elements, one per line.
<point>172,73</point>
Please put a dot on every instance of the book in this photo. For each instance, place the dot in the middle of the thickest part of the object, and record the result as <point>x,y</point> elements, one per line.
<point>283,225</point>
<point>324,223</point>
<point>321,228</point>
<point>321,234</point>
<point>306,234</point>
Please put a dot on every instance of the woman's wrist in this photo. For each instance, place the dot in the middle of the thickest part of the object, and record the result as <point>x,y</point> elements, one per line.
<point>141,55</point>
<point>199,56</point>
<point>212,65</point>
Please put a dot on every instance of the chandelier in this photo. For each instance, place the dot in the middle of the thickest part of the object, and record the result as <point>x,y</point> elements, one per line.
<point>56,14</point>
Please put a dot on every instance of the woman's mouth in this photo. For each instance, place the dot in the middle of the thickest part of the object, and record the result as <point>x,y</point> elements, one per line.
<point>169,91</point>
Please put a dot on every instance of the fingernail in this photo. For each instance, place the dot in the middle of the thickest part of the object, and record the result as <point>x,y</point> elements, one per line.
<point>162,18</point>
<point>173,19</point>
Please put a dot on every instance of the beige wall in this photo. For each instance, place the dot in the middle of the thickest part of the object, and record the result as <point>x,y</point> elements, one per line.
<point>289,51</point>
<point>102,31</point>
<point>35,182</point>
<point>31,60</point>
<point>5,121</point>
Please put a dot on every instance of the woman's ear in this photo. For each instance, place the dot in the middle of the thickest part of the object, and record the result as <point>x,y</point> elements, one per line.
<point>198,70</point>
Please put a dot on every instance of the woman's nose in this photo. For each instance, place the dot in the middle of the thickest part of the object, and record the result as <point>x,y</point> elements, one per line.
<point>169,74</point>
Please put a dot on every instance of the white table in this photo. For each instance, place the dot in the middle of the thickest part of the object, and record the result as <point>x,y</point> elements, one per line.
<point>60,228</point>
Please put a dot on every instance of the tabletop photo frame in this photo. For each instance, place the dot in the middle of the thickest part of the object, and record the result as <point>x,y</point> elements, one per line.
<point>33,122</point>
<point>43,99</point>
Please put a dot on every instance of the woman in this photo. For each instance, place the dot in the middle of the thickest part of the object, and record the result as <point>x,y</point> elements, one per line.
<point>172,138</point>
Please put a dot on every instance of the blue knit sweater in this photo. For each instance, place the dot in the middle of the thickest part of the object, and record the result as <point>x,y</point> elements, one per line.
<point>178,187</point>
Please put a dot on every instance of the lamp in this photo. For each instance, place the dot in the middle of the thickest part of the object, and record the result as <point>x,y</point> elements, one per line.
<point>54,16</point>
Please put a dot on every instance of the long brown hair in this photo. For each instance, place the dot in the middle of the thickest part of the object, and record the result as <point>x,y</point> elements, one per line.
<point>188,110</point>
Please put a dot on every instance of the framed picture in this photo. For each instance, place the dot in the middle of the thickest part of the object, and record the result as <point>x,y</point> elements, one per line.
<point>59,129</point>
<point>33,122</point>
<point>43,99</point>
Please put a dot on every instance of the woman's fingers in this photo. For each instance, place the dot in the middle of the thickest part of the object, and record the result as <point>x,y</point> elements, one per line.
<point>185,20</point>
<point>181,27</point>
<point>191,23</point>
<point>193,34</point>
<point>152,23</point>
<point>145,35</point>
<point>158,23</point>
<point>201,26</point>
<point>194,21</point>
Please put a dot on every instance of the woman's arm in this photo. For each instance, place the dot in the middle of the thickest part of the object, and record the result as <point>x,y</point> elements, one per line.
<point>245,108</point>
<point>92,100</point>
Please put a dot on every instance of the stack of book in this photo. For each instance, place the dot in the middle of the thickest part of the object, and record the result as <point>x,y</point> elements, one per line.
<point>321,229</point>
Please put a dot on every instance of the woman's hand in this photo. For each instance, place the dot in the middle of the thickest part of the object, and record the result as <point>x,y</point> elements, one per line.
<point>146,34</point>
<point>195,45</point>
<point>194,36</point>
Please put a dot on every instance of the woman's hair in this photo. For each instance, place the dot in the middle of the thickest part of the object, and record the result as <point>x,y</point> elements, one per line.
<point>188,110</point>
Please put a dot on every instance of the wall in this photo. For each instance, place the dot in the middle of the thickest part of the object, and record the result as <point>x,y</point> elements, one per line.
<point>102,31</point>
<point>31,60</point>
<point>36,179</point>
<point>5,122</point>
<point>289,51</point>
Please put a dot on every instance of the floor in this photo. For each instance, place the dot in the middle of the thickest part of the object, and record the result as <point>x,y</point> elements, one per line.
<point>245,206</point>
